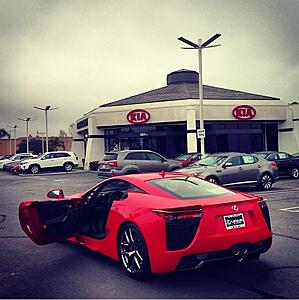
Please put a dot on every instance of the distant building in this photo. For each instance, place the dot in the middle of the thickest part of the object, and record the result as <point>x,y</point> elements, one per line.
<point>166,120</point>
<point>7,146</point>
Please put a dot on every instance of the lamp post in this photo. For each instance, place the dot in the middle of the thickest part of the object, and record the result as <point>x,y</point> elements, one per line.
<point>46,109</point>
<point>43,147</point>
<point>14,127</point>
<point>27,130</point>
<point>10,131</point>
<point>199,47</point>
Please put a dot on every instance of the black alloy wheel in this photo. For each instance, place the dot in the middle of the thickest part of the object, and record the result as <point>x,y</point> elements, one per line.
<point>295,173</point>
<point>266,181</point>
<point>68,167</point>
<point>34,169</point>
<point>133,253</point>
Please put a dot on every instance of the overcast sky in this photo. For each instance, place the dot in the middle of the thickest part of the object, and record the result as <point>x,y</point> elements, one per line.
<point>77,55</point>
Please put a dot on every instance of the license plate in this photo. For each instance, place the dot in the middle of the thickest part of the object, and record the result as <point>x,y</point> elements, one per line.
<point>103,166</point>
<point>234,221</point>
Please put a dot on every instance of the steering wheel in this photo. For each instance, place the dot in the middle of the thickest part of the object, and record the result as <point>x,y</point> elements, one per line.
<point>117,195</point>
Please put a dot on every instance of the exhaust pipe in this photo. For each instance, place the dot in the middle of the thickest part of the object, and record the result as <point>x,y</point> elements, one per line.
<point>239,252</point>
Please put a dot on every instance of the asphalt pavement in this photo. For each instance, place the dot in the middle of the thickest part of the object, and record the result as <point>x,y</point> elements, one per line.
<point>68,271</point>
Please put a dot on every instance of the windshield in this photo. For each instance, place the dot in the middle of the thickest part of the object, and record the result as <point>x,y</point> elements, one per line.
<point>209,161</point>
<point>262,155</point>
<point>109,156</point>
<point>183,156</point>
<point>189,187</point>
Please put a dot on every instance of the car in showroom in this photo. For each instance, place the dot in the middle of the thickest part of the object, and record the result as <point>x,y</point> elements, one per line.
<point>235,169</point>
<point>187,159</point>
<point>135,161</point>
<point>154,222</point>
<point>65,160</point>
<point>15,158</point>
<point>288,165</point>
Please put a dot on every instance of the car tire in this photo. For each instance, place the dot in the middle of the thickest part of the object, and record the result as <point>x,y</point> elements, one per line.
<point>68,167</point>
<point>130,240</point>
<point>34,169</point>
<point>295,173</point>
<point>266,181</point>
<point>213,179</point>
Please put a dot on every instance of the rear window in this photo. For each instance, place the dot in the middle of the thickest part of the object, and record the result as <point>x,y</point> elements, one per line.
<point>109,156</point>
<point>189,187</point>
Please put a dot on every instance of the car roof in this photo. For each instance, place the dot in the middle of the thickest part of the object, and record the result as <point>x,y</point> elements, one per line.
<point>226,153</point>
<point>151,176</point>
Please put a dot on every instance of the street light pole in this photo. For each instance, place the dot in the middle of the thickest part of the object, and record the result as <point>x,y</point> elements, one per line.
<point>27,130</point>
<point>43,146</point>
<point>46,109</point>
<point>200,93</point>
<point>199,47</point>
<point>14,127</point>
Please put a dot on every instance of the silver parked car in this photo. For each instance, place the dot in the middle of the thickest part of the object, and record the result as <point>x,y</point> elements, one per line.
<point>233,169</point>
<point>135,161</point>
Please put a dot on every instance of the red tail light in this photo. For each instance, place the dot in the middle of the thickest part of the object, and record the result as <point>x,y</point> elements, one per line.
<point>273,163</point>
<point>112,163</point>
<point>262,203</point>
<point>180,213</point>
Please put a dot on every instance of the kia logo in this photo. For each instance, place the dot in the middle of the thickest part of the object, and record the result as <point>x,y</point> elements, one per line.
<point>138,116</point>
<point>235,208</point>
<point>244,112</point>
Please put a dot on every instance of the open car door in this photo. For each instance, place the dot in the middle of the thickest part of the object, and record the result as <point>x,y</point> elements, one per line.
<point>47,222</point>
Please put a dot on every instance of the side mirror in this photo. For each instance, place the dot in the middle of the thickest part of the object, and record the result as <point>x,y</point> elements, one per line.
<point>163,159</point>
<point>228,164</point>
<point>55,194</point>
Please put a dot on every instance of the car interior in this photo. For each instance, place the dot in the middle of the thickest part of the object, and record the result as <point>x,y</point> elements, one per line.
<point>62,218</point>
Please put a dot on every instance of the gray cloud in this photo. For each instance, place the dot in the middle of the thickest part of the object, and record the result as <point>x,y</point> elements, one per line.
<point>76,55</point>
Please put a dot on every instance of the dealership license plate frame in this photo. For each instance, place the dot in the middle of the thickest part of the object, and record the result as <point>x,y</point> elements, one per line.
<point>240,221</point>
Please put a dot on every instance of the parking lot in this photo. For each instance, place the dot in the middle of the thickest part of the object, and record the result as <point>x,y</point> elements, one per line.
<point>67,271</point>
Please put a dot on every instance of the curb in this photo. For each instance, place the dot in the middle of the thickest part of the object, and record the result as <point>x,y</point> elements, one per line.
<point>56,173</point>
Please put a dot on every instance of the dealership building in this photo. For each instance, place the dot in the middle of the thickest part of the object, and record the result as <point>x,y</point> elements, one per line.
<point>166,120</point>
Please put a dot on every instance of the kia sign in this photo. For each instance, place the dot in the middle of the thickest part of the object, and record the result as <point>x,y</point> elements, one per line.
<point>138,116</point>
<point>244,112</point>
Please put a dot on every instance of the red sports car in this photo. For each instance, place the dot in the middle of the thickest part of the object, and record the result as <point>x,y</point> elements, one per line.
<point>155,222</point>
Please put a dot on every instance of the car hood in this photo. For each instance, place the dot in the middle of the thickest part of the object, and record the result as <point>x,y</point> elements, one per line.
<point>192,170</point>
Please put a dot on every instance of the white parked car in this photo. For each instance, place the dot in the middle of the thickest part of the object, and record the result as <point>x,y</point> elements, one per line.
<point>16,157</point>
<point>50,160</point>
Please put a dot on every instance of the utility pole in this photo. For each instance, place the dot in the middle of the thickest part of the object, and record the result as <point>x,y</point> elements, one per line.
<point>199,47</point>
<point>14,127</point>
<point>27,130</point>
<point>46,109</point>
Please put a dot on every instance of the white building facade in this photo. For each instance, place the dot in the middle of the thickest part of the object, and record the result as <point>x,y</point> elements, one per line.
<point>166,120</point>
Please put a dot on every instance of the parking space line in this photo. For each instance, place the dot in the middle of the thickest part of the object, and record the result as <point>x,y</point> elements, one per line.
<point>294,209</point>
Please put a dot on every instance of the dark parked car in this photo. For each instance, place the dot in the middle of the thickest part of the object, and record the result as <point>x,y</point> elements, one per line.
<point>234,169</point>
<point>188,158</point>
<point>288,165</point>
<point>135,161</point>
<point>296,154</point>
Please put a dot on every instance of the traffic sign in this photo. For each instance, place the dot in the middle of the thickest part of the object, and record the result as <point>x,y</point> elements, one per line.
<point>201,133</point>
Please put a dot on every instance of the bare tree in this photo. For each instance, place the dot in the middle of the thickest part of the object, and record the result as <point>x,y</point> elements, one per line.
<point>4,133</point>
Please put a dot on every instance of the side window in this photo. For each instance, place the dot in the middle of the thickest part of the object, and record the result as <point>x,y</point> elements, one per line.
<point>117,185</point>
<point>48,156</point>
<point>60,155</point>
<point>153,156</point>
<point>273,157</point>
<point>135,156</point>
<point>248,159</point>
<point>236,160</point>
<point>282,155</point>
